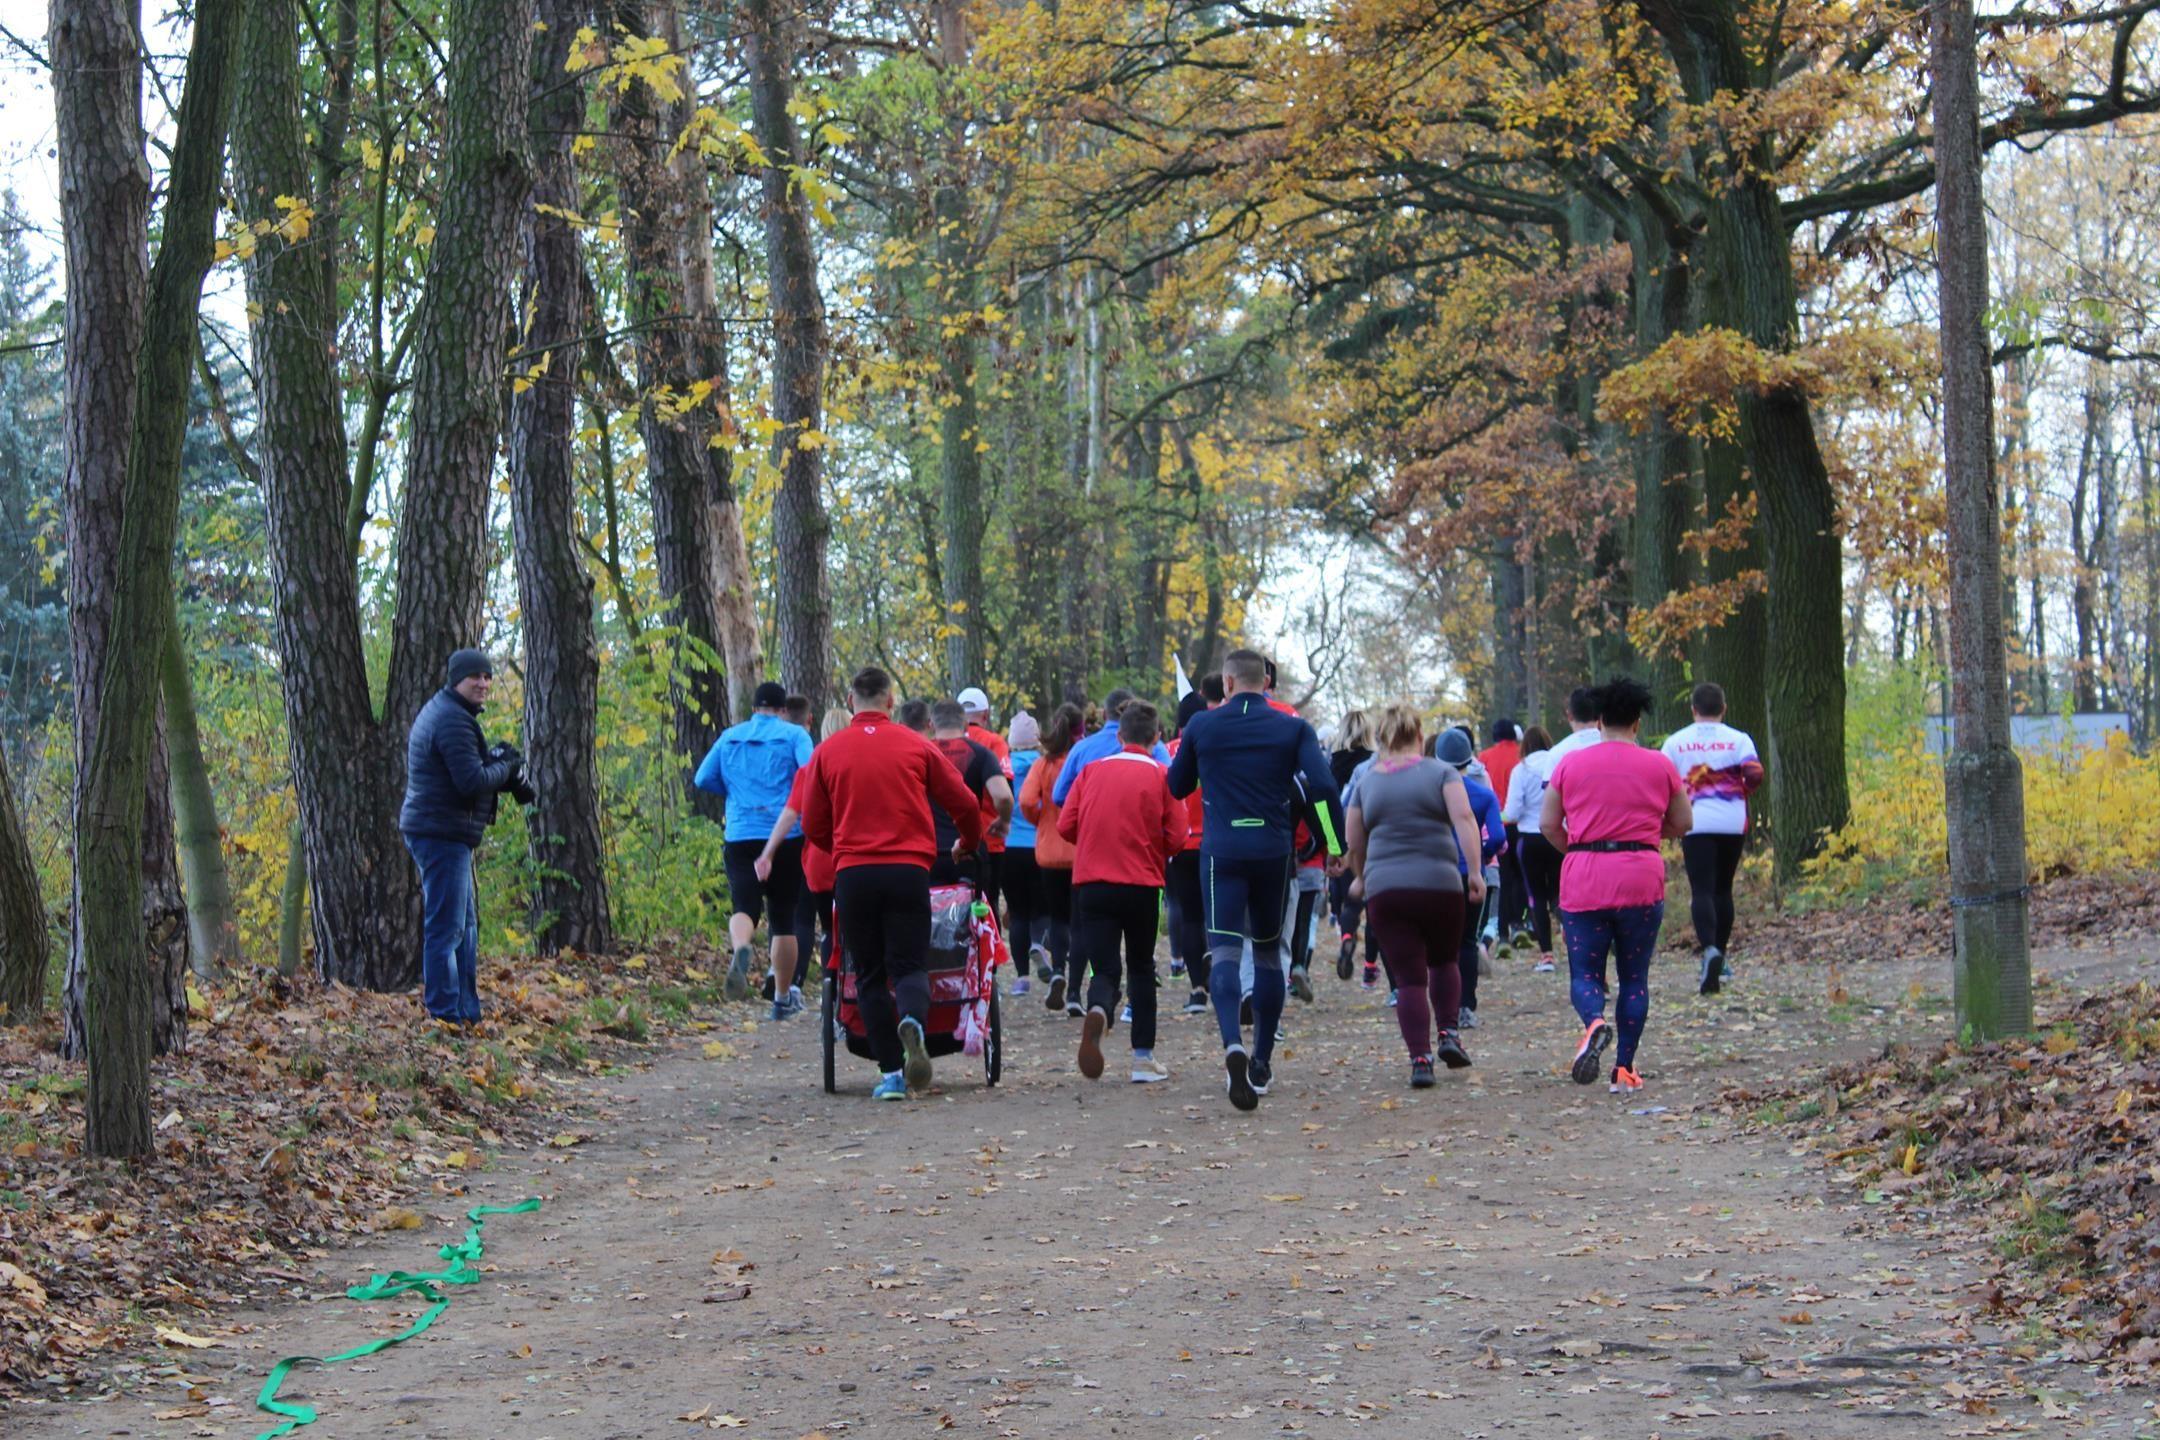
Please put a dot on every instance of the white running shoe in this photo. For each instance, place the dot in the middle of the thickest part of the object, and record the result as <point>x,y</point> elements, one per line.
<point>1148,1071</point>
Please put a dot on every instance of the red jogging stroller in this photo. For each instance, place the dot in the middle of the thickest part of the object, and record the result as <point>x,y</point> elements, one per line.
<point>966,950</point>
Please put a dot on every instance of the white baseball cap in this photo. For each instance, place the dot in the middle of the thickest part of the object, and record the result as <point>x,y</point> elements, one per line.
<point>973,700</point>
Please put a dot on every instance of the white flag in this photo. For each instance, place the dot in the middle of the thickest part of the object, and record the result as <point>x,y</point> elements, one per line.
<point>1184,683</point>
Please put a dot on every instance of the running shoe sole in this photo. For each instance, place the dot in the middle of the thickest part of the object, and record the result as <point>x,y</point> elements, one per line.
<point>738,974</point>
<point>1055,1000</point>
<point>1453,1055</point>
<point>1713,975</point>
<point>1347,960</point>
<point>1242,1094</point>
<point>1596,1037</point>
<point>917,1065</point>
<point>1301,984</point>
<point>1091,1033</point>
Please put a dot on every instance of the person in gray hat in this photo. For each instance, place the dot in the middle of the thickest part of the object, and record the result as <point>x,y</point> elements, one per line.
<point>452,779</point>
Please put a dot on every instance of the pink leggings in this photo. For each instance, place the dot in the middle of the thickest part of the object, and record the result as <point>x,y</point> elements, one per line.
<point>1421,933</point>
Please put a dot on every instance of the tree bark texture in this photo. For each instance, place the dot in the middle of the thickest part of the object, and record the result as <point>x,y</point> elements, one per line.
<point>132,972</point>
<point>1983,779</point>
<point>562,667</point>
<point>213,927</point>
<point>959,430</point>
<point>698,546</point>
<point>1658,565</point>
<point>801,528</point>
<point>348,771</point>
<point>458,362</point>
<point>1805,684</point>
<point>25,944</point>
<point>1511,673</point>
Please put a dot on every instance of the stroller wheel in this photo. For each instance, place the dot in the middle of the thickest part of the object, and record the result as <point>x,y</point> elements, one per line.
<point>994,1044</point>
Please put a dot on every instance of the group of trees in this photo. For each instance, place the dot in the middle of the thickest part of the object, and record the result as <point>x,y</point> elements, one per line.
<point>668,347</point>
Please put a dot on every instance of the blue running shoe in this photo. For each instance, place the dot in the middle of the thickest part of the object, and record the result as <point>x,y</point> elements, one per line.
<point>890,1087</point>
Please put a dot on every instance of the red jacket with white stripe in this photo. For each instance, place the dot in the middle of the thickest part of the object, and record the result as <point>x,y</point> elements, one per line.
<point>869,795</point>
<point>1122,821</point>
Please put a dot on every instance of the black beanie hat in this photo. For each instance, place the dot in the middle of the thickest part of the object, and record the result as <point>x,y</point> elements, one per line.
<point>1193,704</point>
<point>771,695</point>
<point>466,663</point>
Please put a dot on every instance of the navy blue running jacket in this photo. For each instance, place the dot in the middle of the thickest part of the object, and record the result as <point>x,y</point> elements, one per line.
<point>1259,771</point>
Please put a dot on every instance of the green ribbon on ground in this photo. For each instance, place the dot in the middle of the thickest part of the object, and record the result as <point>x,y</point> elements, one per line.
<point>383,1287</point>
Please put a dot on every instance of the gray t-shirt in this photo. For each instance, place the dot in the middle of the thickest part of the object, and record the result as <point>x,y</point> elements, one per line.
<point>1409,839</point>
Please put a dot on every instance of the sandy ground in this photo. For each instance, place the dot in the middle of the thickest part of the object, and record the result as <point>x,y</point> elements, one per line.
<point>1505,1255</point>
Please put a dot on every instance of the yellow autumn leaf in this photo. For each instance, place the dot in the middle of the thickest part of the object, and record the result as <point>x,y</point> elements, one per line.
<point>173,1335</point>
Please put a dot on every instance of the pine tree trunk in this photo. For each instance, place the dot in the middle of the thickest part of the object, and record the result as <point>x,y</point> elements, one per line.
<point>1984,782</point>
<point>348,771</point>
<point>213,927</point>
<point>25,945</point>
<point>562,670</point>
<point>1808,795</point>
<point>698,549</point>
<point>465,315</point>
<point>801,529</point>
<point>130,950</point>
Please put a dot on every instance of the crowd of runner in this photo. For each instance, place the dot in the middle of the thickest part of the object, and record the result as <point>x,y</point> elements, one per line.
<point>1433,861</point>
<point>899,834</point>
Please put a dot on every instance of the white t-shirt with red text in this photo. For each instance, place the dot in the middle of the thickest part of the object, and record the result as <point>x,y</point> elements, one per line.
<point>1719,766</point>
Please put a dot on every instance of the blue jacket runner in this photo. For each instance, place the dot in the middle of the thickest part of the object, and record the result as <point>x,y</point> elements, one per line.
<point>1251,762</point>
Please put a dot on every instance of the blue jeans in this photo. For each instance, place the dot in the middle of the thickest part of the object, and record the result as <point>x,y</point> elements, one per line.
<point>450,943</point>
<point>1630,935</point>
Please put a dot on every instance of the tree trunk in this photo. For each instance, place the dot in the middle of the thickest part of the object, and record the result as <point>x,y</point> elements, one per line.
<point>959,429</point>
<point>25,945</point>
<point>348,771</point>
<point>2084,622</point>
<point>1984,782</point>
<point>1511,673</point>
<point>1662,494</point>
<point>213,928</point>
<point>674,423</point>
<point>801,529</point>
<point>131,963</point>
<point>444,557</point>
<point>1809,797</point>
<point>562,670</point>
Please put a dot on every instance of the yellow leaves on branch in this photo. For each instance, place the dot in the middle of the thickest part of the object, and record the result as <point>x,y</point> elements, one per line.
<point>1695,381</point>
<point>1667,626</point>
<point>629,60</point>
<point>292,223</point>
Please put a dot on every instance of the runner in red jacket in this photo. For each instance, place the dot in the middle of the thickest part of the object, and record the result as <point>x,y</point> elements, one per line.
<point>1125,827</point>
<point>867,802</point>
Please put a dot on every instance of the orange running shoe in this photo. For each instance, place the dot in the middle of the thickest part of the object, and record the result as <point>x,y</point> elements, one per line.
<point>1595,1037</point>
<point>1624,1081</point>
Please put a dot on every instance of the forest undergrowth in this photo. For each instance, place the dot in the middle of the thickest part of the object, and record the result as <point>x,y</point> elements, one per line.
<point>301,1116</point>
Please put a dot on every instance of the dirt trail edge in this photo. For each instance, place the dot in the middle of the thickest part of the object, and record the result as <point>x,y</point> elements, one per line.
<point>1505,1254</point>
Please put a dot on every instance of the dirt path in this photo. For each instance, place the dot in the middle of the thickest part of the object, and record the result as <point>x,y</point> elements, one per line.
<point>1504,1255</point>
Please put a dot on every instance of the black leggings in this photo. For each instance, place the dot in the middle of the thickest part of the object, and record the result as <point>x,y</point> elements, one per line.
<point>813,912</point>
<point>1347,911</point>
<point>1514,900</point>
<point>1712,861</point>
<point>1191,915</point>
<point>1541,872</point>
<point>1023,887</point>
<point>1466,961</point>
<point>1104,915</point>
<point>885,925</point>
<point>1057,888</point>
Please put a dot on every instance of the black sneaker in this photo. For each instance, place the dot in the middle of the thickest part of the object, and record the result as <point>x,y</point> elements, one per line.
<point>1421,1073</point>
<point>1055,1000</point>
<point>1301,983</point>
<point>1242,1094</point>
<point>1451,1052</point>
<point>1713,972</point>
<point>1261,1075</point>
<point>1197,1003</point>
<point>1346,961</point>
<point>766,989</point>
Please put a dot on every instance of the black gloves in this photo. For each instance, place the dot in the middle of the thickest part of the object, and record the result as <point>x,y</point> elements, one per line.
<point>510,761</point>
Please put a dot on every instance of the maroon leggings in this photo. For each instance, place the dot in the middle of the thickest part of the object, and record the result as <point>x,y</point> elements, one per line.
<point>1420,931</point>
